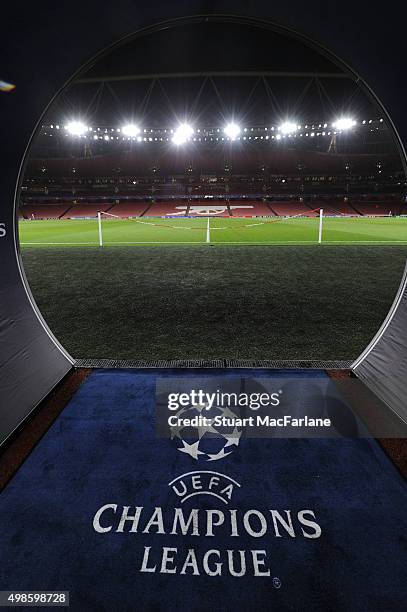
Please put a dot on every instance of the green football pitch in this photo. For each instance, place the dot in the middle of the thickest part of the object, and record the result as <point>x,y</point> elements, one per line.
<point>262,292</point>
<point>222,231</point>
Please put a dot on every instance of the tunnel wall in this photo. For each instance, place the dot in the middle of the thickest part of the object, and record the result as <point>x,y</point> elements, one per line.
<point>383,364</point>
<point>32,361</point>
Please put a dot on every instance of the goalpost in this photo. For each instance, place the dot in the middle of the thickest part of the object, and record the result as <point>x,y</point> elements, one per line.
<point>321,217</point>
<point>100,224</point>
<point>100,229</point>
<point>208,226</point>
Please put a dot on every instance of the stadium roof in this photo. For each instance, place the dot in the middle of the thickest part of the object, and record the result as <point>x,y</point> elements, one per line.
<point>205,68</point>
<point>207,72</point>
<point>213,44</point>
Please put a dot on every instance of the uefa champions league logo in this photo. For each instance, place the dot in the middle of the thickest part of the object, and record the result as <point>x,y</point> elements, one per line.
<point>205,441</point>
<point>220,526</point>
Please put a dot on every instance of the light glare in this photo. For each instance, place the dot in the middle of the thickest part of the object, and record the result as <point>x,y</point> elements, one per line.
<point>288,127</point>
<point>76,128</point>
<point>232,130</point>
<point>182,134</point>
<point>131,130</point>
<point>344,123</point>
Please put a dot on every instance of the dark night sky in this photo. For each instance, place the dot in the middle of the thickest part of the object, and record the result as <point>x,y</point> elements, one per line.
<point>44,43</point>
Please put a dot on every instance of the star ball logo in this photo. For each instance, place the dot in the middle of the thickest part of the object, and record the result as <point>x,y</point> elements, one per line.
<point>208,436</point>
<point>208,424</point>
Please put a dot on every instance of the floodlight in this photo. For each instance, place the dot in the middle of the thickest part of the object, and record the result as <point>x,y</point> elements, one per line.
<point>182,133</point>
<point>344,123</point>
<point>288,127</point>
<point>131,130</point>
<point>76,128</point>
<point>232,130</point>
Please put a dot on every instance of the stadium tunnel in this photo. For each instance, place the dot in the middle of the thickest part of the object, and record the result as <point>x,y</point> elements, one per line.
<point>33,360</point>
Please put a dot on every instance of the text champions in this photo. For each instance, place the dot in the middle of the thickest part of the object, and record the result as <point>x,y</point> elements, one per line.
<point>206,558</point>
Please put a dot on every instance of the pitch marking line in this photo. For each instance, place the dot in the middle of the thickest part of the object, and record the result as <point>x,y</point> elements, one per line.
<point>66,243</point>
<point>258,243</point>
<point>110,243</point>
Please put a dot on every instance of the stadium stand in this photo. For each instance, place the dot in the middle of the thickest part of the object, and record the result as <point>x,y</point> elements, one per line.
<point>130,209</point>
<point>376,208</point>
<point>162,209</point>
<point>257,209</point>
<point>109,169</point>
<point>85,210</point>
<point>238,207</point>
<point>44,211</point>
<point>216,208</point>
<point>334,207</point>
<point>289,209</point>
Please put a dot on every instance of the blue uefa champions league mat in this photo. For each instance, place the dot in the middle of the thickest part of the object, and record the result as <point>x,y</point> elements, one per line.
<point>125,520</point>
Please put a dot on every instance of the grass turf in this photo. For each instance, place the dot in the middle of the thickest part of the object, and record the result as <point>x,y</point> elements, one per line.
<point>192,302</point>
<point>84,232</point>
